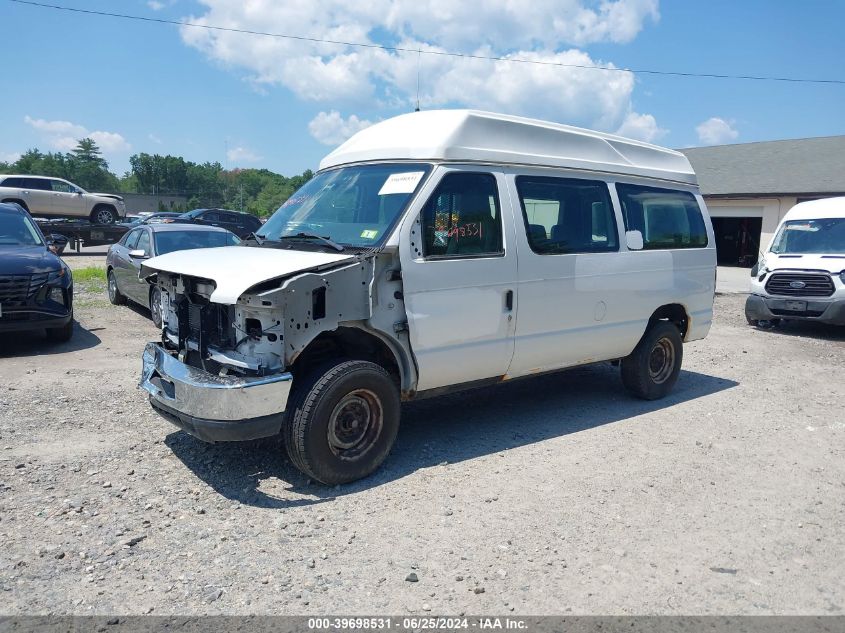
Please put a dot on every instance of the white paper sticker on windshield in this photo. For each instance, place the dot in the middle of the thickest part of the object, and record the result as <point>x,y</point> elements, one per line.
<point>401,183</point>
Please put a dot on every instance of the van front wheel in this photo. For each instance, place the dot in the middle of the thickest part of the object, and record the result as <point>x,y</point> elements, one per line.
<point>652,369</point>
<point>342,421</point>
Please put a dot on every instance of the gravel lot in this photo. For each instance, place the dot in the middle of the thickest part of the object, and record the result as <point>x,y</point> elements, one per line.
<point>554,495</point>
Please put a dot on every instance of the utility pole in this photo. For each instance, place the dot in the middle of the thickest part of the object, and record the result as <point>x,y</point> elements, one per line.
<point>242,197</point>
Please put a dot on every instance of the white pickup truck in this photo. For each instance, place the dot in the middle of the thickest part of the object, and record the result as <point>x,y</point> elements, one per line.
<point>433,252</point>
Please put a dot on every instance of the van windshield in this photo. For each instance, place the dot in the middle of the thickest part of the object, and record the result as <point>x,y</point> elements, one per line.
<point>811,236</point>
<point>353,206</point>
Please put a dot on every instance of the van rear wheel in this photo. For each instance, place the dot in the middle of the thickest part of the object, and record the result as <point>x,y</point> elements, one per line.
<point>652,368</point>
<point>342,421</point>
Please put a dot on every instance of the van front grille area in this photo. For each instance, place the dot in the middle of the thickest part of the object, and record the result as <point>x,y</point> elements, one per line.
<point>800,285</point>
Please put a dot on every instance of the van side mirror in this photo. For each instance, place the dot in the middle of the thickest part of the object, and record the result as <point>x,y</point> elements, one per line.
<point>634,240</point>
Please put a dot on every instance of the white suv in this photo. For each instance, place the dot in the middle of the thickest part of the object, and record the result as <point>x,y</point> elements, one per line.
<point>54,197</point>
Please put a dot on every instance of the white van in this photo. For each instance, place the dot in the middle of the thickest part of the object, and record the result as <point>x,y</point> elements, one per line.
<point>433,252</point>
<point>802,273</point>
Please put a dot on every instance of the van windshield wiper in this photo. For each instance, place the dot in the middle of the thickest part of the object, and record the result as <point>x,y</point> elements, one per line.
<point>255,237</point>
<point>303,235</point>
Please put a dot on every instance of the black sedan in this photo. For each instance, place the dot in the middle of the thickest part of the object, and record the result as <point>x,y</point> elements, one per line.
<point>36,287</point>
<point>124,259</point>
<point>241,224</point>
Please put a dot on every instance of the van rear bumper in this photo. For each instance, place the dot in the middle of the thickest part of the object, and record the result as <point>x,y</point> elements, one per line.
<point>760,308</point>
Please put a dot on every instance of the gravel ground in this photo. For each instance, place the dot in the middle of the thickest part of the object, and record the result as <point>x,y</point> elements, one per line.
<point>553,495</point>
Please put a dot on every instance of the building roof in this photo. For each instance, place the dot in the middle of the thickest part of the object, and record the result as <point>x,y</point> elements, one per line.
<point>472,136</point>
<point>798,166</point>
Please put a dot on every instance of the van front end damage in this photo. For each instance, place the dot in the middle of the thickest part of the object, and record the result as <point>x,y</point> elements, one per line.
<point>213,408</point>
<point>222,371</point>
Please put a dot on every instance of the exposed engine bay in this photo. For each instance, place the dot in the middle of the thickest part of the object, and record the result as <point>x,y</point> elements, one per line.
<point>272,322</point>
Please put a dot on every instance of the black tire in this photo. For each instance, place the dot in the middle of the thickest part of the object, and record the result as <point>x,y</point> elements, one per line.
<point>115,296</point>
<point>321,430</point>
<point>652,369</point>
<point>103,214</point>
<point>61,334</point>
<point>155,306</point>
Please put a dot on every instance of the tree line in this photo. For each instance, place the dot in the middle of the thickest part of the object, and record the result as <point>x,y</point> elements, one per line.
<point>256,191</point>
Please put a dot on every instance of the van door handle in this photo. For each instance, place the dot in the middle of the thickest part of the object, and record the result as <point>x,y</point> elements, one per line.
<point>509,300</point>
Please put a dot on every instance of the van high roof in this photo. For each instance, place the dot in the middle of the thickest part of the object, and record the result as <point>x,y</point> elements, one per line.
<point>473,136</point>
<point>817,209</point>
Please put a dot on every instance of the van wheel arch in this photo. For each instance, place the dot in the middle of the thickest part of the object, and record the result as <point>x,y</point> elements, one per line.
<point>349,343</point>
<point>673,313</point>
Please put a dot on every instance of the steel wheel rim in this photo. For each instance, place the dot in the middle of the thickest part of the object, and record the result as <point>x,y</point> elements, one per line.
<point>661,361</point>
<point>355,424</point>
<point>112,287</point>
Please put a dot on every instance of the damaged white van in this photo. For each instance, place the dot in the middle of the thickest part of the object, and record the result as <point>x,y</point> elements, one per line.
<point>433,252</point>
<point>801,275</point>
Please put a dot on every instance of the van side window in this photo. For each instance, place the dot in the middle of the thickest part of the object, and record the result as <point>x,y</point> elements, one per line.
<point>462,218</point>
<point>666,218</point>
<point>567,215</point>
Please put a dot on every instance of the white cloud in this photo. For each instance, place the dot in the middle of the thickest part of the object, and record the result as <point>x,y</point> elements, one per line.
<point>58,128</point>
<point>716,131</point>
<point>9,157</point>
<point>155,5</point>
<point>366,77</point>
<point>155,139</point>
<point>242,155</point>
<point>330,128</point>
<point>642,127</point>
<point>110,142</point>
<point>64,135</point>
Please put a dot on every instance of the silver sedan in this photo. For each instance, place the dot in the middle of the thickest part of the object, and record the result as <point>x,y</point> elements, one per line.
<point>124,259</point>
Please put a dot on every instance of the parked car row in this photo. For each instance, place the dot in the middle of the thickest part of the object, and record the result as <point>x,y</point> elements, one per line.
<point>435,252</point>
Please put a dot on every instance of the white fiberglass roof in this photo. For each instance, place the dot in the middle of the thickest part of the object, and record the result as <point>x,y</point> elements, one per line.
<point>472,136</point>
<point>817,209</point>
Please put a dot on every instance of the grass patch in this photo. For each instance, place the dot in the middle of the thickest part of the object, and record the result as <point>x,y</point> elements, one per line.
<point>90,279</point>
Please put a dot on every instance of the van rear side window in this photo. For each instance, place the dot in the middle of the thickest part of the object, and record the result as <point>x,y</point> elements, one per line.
<point>567,215</point>
<point>667,218</point>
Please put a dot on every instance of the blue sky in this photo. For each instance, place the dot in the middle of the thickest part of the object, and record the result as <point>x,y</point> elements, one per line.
<point>250,101</point>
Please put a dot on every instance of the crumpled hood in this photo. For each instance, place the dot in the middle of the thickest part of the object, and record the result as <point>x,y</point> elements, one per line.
<point>833,263</point>
<point>108,195</point>
<point>235,269</point>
